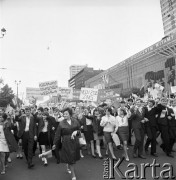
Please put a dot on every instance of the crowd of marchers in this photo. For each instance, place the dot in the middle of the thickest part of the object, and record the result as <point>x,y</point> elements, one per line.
<point>67,133</point>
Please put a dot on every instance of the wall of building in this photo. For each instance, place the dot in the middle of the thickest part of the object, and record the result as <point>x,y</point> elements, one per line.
<point>155,64</point>
<point>79,79</point>
<point>168,11</point>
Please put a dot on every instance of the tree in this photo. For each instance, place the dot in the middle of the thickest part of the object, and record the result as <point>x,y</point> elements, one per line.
<point>6,96</point>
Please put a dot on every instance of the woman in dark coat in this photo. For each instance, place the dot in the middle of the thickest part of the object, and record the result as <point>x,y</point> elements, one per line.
<point>97,130</point>
<point>86,123</point>
<point>15,127</point>
<point>7,141</point>
<point>67,133</point>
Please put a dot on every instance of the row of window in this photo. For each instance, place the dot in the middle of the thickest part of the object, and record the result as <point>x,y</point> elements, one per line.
<point>168,10</point>
<point>170,30</point>
<point>169,16</point>
<point>168,26</point>
<point>169,19</point>
<point>167,2</point>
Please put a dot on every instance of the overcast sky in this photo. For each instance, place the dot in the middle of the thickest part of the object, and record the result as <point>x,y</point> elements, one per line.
<point>45,37</point>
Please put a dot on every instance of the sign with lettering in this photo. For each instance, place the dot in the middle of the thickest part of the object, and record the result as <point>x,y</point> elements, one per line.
<point>173,89</point>
<point>76,94</point>
<point>65,92</point>
<point>48,88</point>
<point>89,94</point>
<point>159,87</point>
<point>153,47</point>
<point>104,94</point>
<point>34,93</point>
<point>32,100</point>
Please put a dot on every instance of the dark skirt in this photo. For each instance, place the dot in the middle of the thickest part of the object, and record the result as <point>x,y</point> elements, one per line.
<point>16,138</point>
<point>89,134</point>
<point>108,137</point>
<point>70,150</point>
<point>43,138</point>
<point>123,132</point>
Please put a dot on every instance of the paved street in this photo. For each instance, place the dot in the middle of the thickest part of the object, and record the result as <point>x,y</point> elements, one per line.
<point>86,169</point>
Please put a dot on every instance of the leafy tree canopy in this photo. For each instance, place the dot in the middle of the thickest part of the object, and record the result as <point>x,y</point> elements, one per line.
<point>6,96</point>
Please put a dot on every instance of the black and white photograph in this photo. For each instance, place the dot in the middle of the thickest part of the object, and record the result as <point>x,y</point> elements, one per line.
<point>87,89</point>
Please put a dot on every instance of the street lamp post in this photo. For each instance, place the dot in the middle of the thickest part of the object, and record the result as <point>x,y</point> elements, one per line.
<point>17,83</point>
<point>3,32</point>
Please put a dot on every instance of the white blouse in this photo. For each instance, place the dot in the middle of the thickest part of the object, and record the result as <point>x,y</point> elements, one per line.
<point>27,124</point>
<point>88,122</point>
<point>108,122</point>
<point>121,121</point>
<point>45,128</point>
<point>174,109</point>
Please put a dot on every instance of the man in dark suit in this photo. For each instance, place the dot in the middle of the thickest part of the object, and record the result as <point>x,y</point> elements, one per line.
<point>34,113</point>
<point>130,106</point>
<point>151,127</point>
<point>172,126</point>
<point>137,118</point>
<point>27,132</point>
<point>165,116</point>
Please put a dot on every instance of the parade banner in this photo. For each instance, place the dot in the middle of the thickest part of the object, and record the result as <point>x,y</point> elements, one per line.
<point>159,87</point>
<point>32,100</point>
<point>146,97</point>
<point>135,96</point>
<point>62,104</point>
<point>9,109</point>
<point>173,89</point>
<point>76,94</point>
<point>34,92</point>
<point>89,94</point>
<point>65,92</point>
<point>104,94</point>
<point>48,88</point>
<point>154,93</point>
<point>157,92</point>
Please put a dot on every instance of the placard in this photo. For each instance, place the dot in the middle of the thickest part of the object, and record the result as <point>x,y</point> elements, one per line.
<point>154,93</point>
<point>65,92</point>
<point>48,88</point>
<point>173,89</point>
<point>34,92</point>
<point>89,94</point>
<point>32,100</point>
<point>159,87</point>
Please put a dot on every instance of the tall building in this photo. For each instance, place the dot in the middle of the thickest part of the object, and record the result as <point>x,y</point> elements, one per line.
<point>74,69</point>
<point>168,11</point>
<point>78,81</point>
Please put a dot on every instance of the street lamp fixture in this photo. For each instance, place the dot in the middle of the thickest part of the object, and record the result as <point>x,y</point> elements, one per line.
<point>17,83</point>
<point>3,32</point>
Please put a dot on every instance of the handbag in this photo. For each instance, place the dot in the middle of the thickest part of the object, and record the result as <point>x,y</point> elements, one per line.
<point>82,140</point>
<point>47,154</point>
<point>116,139</point>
